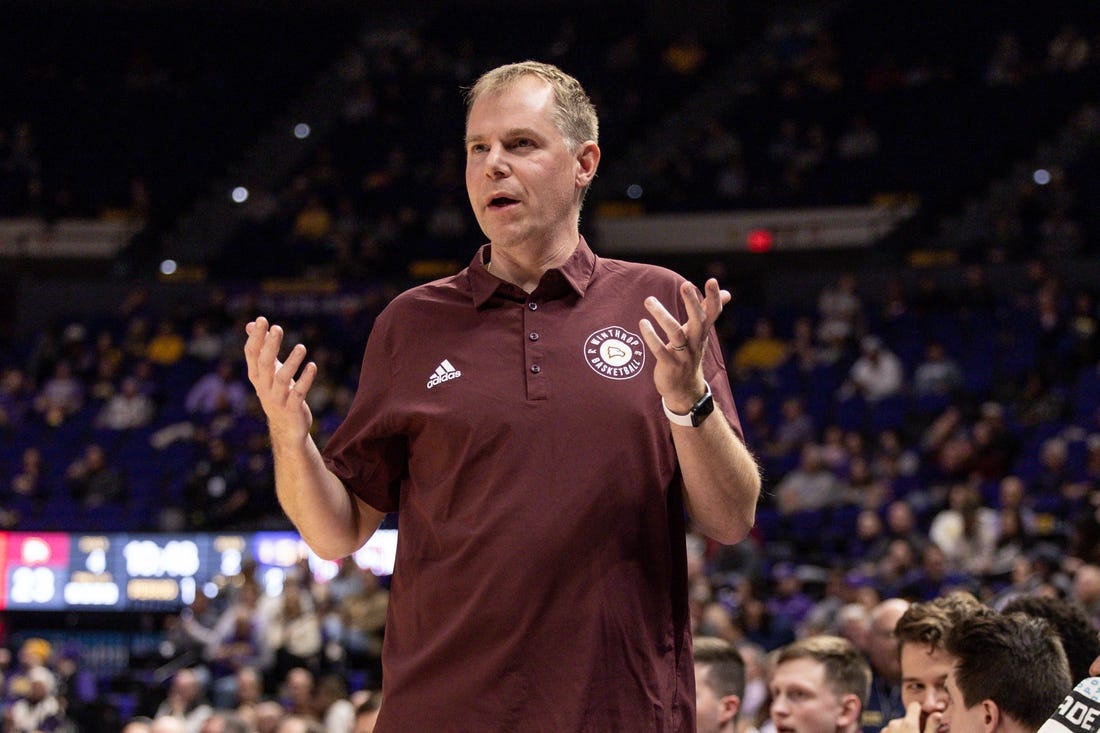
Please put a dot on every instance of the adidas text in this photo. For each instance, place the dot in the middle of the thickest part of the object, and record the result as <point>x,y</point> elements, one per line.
<point>445,372</point>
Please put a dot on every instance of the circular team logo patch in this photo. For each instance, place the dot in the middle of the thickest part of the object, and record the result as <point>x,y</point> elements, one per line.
<point>614,352</point>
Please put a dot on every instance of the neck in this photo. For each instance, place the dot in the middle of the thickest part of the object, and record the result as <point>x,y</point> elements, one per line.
<point>524,267</point>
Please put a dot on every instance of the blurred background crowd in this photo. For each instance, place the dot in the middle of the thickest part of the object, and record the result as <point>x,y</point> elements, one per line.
<point>926,410</point>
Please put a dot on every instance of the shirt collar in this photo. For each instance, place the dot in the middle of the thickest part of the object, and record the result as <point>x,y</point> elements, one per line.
<point>574,274</point>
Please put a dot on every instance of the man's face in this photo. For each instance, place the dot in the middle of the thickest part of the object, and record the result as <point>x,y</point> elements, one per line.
<point>924,672</point>
<point>710,713</point>
<point>803,701</point>
<point>523,180</point>
<point>958,717</point>
<point>882,643</point>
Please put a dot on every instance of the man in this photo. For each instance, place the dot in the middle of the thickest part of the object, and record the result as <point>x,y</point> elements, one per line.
<point>719,685</point>
<point>1070,622</point>
<point>924,662</point>
<point>1010,674</point>
<point>884,702</point>
<point>1080,711</point>
<point>818,685</point>
<point>512,415</point>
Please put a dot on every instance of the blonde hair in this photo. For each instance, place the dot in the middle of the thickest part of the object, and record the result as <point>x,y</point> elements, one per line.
<point>574,114</point>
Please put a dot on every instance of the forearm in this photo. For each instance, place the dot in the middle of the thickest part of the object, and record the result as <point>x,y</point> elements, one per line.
<point>721,478</point>
<point>332,521</point>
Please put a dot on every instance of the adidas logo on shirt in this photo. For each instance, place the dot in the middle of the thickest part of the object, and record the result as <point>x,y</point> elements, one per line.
<point>445,372</point>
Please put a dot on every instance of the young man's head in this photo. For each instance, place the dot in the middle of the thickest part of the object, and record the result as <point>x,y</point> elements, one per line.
<point>1010,674</point>
<point>925,664</point>
<point>818,685</point>
<point>1070,622</point>
<point>719,684</point>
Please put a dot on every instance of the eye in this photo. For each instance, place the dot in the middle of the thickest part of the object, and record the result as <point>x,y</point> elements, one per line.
<point>478,148</point>
<point>523,142</point>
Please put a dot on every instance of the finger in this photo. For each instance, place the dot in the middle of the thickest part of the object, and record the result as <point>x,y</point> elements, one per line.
<point>714,300</point>
<point>912,715</point>
<point>933,723</point>
<point>649,334</point>
<point>674,330</point>
<point>693,303</point>
<point>269,352</point>
<point>305,380</point>
<point>285,373</point>
<point>256,331</point>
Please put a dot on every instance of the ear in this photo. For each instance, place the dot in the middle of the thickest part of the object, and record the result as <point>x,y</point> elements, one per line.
<point>991,716</point>
<point>850,711</point>
<point>728,707</point>
<point>588,160</point>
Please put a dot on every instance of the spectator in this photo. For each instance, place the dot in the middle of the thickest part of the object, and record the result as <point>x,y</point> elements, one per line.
<point>840,310</point>
<point>167,346</point>
<point>186,700</point>
<point>1070,622</point>
<point>249,692</point>
<point>966,531</point>
<point>809,487</point>
<point>218,391</point>
<point>362,616</point>
<point>60,397</point>
<point>883,702</point>
<point>129,408</point>
<point>1009,674</point>
<point>763,352</point>
<point>1086,590</point>
<point>924,663</point>
<point>333,706</point>
<point>296,692</point>
<point>938,375</point>
<point>876,374</point>
<point>294,632</point>
<point>719,685</point>
<point>818,684</point>
<point>93,482</point>
<point>15,399</point>
<point>795,428</point>
<point>216,491</point>
<point>39,709</point>
<point>28,482</point>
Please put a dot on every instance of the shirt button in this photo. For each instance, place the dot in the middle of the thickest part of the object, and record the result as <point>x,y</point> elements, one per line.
<point>535,369</point>
<point>533,306</point>
<point>534,335</point>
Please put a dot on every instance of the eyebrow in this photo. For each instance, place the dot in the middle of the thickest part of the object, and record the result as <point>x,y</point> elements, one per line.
<point>513,133</point>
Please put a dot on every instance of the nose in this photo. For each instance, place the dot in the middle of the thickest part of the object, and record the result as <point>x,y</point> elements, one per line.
<point>934,700</point>
<point>495,165</point>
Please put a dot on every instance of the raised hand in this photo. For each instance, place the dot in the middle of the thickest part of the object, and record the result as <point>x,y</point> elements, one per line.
<point>281,395</point>
<point>679,353</point>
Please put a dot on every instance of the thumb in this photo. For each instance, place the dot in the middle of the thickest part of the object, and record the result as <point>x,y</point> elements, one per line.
<point>933,723</point>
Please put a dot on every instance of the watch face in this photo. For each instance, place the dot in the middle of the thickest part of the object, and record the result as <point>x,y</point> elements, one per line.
<point>702,408</point>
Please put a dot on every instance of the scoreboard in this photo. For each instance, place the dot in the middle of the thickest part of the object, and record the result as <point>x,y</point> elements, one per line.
<point>60,571</point>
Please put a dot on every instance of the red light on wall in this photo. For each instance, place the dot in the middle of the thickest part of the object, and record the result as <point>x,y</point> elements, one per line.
<point>760,240</point>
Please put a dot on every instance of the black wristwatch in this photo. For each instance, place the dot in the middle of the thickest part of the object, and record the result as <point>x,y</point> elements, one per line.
<point>699,411</point>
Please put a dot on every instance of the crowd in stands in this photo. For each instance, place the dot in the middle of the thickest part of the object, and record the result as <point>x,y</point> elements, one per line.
<point>929,441</point>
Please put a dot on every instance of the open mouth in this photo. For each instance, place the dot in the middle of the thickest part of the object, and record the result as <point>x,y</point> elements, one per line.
<point>502,202</point>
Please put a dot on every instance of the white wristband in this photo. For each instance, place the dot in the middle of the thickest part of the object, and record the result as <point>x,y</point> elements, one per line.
<point>674,418</point>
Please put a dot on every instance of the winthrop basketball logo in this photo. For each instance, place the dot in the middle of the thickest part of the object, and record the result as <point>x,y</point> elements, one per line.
<point>614,352</point>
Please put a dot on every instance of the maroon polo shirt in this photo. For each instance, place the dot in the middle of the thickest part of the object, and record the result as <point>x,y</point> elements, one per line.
<point>540,574</point>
